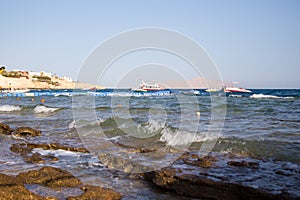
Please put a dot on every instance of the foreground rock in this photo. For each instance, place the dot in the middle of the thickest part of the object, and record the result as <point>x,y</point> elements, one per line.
<point>29,156</point>
<point>94,192</point>
<point>13,187</point>
<point>5,129</point>
<point>25,150</point>
<point>225,176</point>
<point>51,177</point>
<point>20,132</point>
<point>56,146</point>
<point>26,131</point>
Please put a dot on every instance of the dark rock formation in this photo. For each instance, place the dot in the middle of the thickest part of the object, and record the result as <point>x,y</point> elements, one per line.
<point>25,149</point>
<point>5,129</point>
<point>220,177</point>
<point>204,188</point>
<point>56,146</point>
<point>26,131</point>
<point>50,176</point>
<point>95,192</point>
<point>243,164</point>
<point>30,157</point>
<point>12,187</point>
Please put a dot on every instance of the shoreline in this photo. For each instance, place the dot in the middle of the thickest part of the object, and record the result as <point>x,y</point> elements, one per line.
<point>25,83</point>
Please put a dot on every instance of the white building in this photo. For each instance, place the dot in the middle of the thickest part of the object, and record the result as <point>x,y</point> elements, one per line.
<point>68,79</point>
<point>39,74</point>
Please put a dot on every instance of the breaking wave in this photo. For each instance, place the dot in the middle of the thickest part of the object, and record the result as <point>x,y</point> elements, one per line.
<point>9,108</point>
<point>44,109</point>
<point>184,138</point>
<point>261,96</point>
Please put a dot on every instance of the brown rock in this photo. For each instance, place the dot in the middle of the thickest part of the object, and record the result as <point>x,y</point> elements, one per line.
<point>56,146</point>
<point>26,131</point>
<point>30,157</point>
<point>35,158</point>
<point>50,176</point>
<point>21,149</point>
<point>203,188</point>
<point>195,160</point>
<point>95,192</point>
<point>5,129</point>
<point>12,188</point>
<point>242,164</point>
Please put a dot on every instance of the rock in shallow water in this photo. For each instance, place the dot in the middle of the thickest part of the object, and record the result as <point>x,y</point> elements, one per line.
<point>95,192</point>
<point>5,129</point>
<point>26,153</point>
<point>218,177</point>
<point>12,187</point>
<point>50,176</point>
<point>26,131</point>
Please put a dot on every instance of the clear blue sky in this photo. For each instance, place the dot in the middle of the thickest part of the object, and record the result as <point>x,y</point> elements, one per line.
<point>254,42</point>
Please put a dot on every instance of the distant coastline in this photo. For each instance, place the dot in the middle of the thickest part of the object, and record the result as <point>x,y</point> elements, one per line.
<point>19,79</point>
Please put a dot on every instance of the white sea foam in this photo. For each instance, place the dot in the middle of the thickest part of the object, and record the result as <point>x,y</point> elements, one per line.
<point>183,138</point>
<point>72,125</point>
<point>58,152</point>
<point>261,96</point>
<point>81,124</point>
<point>152,126</point>
<point>44,109</point>
<point>9,108</point>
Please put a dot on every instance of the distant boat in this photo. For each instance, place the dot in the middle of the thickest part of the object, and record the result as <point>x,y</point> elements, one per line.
<point>146,86</point>
<point>90,88</point>
<point>236,90</point>
<point>212,90</point>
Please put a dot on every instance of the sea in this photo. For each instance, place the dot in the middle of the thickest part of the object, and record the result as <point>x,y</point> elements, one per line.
<point>264,124</point>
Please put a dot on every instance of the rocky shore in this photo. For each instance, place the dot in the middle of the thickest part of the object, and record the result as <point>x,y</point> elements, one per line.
<point>214,176</point>
<point>56,180</point>
<point>224,176</point>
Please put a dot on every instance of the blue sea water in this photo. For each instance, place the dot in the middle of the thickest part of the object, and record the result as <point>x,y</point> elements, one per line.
<point>263,124</point>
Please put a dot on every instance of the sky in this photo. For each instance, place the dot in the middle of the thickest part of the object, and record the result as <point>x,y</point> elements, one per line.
<point>253,42</point>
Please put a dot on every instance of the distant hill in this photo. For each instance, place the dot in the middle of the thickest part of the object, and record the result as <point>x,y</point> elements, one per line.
<point>195,83</point>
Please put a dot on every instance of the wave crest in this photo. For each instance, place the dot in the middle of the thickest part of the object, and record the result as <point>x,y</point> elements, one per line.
<point>184,138</point>
<point>44,109</point>
<point>261,96</point>
<point>9,108</point>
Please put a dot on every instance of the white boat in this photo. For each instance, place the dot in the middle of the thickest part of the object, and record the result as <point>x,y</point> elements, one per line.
<point>236,89</point>
<point>212,90</point>
<point>146,86</point>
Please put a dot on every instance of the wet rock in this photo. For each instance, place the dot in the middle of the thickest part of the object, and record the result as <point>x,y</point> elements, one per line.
<point>35,158</point>
<point>5,129</point>
<point>194,159</point>
<point>13,188</point>
<point>217,177</point>
<point>95,192</point>
<point>51,177</point>
<point>26,131</point>
<point>30,157</point>
<point>243,163</point>
<point>56,146</point>
<point>21,149</point>
<point>204,188</point>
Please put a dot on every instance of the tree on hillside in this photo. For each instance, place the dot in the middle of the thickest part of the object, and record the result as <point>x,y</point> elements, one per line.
<point>2,69</point>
